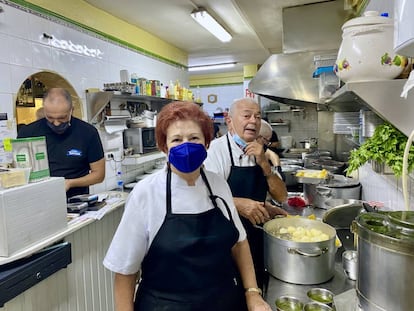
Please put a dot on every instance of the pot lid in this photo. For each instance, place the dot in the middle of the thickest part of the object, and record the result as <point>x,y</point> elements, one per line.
<point>341,217</point>
<point>369,18</point>
<point>340,181</point>
<point>402,218</point>
<point>291,168</point>
<point>329,162</point>
<point>379,228</point>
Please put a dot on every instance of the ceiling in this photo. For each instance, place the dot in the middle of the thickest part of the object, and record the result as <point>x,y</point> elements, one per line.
<point>256,26</point>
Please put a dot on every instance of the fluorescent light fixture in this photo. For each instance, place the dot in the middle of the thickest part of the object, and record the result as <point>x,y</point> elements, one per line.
<point>208,22</point>
<point>211,67</point>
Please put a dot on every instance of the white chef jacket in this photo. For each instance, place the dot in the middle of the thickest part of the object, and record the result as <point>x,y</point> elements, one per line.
<point>218,156</point>
<point>145,211</point>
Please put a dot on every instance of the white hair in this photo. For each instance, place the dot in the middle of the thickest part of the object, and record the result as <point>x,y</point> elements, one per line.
<point>239,100</point>
<point>265,129</point>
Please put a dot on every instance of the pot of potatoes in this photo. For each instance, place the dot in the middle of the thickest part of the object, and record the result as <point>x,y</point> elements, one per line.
<point>299,250</point>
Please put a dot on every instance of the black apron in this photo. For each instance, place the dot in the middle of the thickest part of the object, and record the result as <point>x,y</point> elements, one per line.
<point>249,182</point>
<point>189,265</point>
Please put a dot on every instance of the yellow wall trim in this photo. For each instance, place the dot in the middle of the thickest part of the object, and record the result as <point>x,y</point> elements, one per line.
<point>225,78</point>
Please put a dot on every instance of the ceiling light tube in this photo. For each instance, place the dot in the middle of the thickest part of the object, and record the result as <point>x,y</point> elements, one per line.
<point>211,67</point>
<point>209,23</point>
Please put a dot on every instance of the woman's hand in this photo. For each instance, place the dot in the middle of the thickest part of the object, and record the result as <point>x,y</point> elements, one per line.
<point>255,302</point>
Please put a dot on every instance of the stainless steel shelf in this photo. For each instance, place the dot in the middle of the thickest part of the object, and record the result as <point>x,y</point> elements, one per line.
<point>382,97</point>
<point>96,101</point>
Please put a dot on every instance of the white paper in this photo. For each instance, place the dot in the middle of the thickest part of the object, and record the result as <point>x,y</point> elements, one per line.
<point>115,125</point>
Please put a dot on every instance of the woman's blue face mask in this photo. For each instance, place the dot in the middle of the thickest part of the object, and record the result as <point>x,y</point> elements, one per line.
<point>187,157</point>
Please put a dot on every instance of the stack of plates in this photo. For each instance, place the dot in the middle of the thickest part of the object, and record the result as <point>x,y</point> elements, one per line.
<point>369,121</point>
<point>344,121</point>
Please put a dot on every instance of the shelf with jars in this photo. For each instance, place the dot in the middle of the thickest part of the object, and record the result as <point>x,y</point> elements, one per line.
<point>98,101</point>
<point>30,89</point>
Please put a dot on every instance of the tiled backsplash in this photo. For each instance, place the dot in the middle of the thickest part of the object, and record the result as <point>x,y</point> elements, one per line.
<point>386,189</point>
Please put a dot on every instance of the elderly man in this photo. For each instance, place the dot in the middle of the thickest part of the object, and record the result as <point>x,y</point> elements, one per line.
<point>241,160</point>
<point>264,137</point>
<point>74,147</point>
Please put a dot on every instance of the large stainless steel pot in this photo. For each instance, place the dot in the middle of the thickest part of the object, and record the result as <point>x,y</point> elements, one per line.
<point>299,262</point>
<point>290,172</point>
<point>385,260</point>
<point>339,187</point>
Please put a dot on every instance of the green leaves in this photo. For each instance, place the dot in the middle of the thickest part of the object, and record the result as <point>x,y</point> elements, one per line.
<point>385,146</point>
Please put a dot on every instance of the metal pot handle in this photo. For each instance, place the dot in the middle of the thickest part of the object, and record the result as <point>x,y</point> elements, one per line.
<point>324,191</point>
<point>317,251</point>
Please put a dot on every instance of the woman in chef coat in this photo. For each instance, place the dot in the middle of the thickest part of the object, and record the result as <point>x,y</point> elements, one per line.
<point>181,229</point>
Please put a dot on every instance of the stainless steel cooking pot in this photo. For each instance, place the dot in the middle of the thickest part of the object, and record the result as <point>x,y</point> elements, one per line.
<point>299,262</point>
<point>339,187</point>
<point>386,260</point>
<point>290,174</point>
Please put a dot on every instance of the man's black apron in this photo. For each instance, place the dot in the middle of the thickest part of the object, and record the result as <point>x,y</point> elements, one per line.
<point>189,265</point>
<point>249,182</point>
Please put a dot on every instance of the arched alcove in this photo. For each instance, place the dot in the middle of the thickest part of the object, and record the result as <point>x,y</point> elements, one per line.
<point>30,95</point>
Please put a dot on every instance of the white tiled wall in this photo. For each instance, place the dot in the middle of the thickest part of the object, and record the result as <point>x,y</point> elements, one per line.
<point>24,51</point>
<point>386,189</point>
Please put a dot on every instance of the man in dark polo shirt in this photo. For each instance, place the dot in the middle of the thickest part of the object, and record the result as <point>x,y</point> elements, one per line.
<point>74,147</point>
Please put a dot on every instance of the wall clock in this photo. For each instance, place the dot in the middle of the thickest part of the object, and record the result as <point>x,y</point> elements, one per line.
<point>212,98</point>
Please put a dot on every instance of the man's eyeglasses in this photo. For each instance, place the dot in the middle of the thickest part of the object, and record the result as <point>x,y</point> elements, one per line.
<point>265,141</point>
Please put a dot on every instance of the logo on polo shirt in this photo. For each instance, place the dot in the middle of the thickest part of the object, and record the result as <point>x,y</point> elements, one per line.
<point>74,153</point>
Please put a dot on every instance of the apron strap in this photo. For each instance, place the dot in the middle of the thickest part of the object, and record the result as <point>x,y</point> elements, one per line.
<point>231,153</point>
<point>213,197</point>
<point>168,190</point>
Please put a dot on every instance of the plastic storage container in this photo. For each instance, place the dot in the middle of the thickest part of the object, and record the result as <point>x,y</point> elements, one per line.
<point>324,70</point>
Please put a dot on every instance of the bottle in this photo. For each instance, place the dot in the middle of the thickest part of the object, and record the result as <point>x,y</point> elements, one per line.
<point>171,90</point>
<point>198,95</point>
<point>134,80</point>
<point>119,182</point>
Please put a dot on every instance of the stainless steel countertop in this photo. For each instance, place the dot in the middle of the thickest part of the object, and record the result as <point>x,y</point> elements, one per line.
<point>338,284</point>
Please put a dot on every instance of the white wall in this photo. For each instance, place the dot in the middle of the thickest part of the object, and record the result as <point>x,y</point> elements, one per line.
<point>226,94</point>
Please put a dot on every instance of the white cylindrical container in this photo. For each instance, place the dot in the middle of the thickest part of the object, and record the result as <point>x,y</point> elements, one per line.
<point>404,28</point>
<point>124,75</point>
<point>366,52</point>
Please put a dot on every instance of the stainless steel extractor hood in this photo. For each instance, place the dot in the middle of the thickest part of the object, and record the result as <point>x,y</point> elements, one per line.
<point>308,31</point>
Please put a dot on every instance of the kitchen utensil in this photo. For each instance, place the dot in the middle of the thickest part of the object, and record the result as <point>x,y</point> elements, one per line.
<point>321,295</point>
<point>288,303</point>
<point>303,262</point>
<point>337,202</point>
<point>338,187</point>
<point>341,216</point>
<point>386,244</point>
<point>316,306</point>
<point>366,52</point>
<point>350,264</point>
<point>290,172</point>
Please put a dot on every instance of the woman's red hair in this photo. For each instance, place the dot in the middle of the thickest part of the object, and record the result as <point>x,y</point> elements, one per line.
<point>181,111</point>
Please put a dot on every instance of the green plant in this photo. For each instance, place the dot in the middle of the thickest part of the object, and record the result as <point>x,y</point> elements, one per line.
<point>385,146</point>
